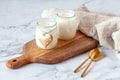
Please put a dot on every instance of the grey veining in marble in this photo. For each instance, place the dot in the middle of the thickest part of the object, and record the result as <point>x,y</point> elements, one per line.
<point>17,26</point>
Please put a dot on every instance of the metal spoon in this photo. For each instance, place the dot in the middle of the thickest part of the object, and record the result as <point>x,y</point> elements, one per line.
<point>95,56</point>
<point>92,52</point>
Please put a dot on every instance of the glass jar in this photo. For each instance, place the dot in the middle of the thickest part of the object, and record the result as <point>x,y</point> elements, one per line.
<point>67,24</point>
<point>46,34</point>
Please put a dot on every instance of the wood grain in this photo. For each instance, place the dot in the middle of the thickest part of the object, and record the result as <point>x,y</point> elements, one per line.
<point>64,50</point>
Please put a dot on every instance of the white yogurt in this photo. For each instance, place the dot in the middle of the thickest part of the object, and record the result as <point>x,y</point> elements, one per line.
<point>66,24</point>
<point>46,34</point>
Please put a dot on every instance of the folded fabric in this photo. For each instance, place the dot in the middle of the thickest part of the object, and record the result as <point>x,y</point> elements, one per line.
<point>108,33</point>
<point>88,20</point>
<point>104,27</point>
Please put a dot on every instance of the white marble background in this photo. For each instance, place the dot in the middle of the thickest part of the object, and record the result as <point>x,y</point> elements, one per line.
<point>17,19</point>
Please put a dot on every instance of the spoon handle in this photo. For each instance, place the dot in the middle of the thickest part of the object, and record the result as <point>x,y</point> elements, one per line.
<point>85,71</point>
<point>78,68</point>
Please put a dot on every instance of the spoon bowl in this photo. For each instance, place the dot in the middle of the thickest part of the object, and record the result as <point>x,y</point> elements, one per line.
<point>95,54</point>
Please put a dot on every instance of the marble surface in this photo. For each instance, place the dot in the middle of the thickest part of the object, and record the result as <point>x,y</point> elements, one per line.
<point>17,26</point>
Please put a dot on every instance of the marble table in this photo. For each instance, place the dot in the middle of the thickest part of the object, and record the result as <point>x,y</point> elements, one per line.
<point>17,26</point>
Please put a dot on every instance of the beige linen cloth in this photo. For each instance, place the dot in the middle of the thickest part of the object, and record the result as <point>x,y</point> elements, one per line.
<point>101,26</point>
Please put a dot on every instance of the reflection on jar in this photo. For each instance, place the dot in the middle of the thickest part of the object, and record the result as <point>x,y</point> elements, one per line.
<point>46,34</point>
<point>67,24</point>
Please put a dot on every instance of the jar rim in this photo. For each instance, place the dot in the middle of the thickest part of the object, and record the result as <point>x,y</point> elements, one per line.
<point>47,25</point>
<point>66,14</point>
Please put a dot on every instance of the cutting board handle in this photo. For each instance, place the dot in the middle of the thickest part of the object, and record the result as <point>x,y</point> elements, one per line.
<point>17,62</point>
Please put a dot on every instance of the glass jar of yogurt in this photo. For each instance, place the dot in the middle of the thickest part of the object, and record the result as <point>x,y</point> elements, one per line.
<point>46,33</point>
<point>67,24</point>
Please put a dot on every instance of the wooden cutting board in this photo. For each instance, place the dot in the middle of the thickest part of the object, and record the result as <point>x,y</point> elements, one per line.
<point>64,50</point>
